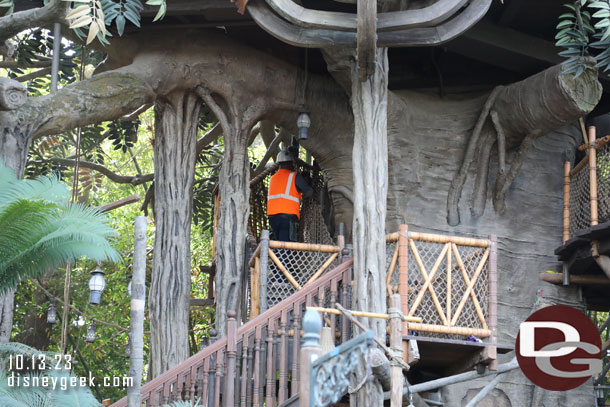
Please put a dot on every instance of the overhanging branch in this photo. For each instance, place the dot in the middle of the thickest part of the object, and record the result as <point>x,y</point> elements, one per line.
<point>13,24</point>
<point>121,179</point>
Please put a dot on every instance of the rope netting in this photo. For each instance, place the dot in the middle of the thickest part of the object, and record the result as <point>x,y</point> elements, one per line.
<point>300,264</point>
<point>312,228</point>
<point>580,197</point>
<point>429,254</point>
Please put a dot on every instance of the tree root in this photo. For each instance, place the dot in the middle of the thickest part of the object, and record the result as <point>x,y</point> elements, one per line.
<point>503,180</point>
<point>503,184</point>
<point>455,190</point>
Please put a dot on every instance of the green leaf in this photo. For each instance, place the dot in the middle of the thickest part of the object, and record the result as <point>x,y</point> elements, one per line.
<point>120,24</point>
<point>161,12</point>
<point>564,23</point>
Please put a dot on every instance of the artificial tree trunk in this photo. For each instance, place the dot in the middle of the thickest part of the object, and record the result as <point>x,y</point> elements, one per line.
<point>370,166</point>
<point>15,137</point>
<point>13,152</point>
<point>237,117</point>
<point>176,118</point>
<point>232,226</point>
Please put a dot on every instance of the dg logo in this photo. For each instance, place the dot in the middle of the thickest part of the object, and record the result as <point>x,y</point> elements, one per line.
<point>558,348</point>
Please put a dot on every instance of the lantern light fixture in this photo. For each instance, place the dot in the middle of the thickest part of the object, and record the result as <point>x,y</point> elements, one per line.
<point>97,283</point>
<point>52,314</point>
<point>129,288</point>
<point>303,123</point>
<point>90,338</point>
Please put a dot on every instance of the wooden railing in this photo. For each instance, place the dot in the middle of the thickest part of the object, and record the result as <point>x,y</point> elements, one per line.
<point>448,281</point>
<point>254,365</point>
<point>586,187</point>
<point>279,269</point>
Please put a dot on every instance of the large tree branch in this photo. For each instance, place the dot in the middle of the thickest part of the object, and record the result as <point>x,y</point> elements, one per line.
<point>121,179</point>
<point>520,113</point>
<point>15,64</point>
<point>13,24</point>
<point>34,75</point>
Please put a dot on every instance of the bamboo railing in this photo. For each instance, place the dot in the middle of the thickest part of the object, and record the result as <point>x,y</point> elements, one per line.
<point>278,269</point>
<point>256,364</point>
<point>466,270</point>
<point>586,187</point>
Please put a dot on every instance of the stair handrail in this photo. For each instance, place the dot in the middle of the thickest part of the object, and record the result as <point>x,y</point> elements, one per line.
<point>184,367</point>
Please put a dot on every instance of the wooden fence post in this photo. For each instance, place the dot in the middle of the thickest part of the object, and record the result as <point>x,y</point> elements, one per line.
<point>403,280</point>
<point>138,302</point>
<point>312,326</point>
<point>593,175</point>
<point>229,393</point>
<point>263,266</point>
<point>341,241</point>
<point>492,267</point>
<point>396,377</point>
<point>566,201</point>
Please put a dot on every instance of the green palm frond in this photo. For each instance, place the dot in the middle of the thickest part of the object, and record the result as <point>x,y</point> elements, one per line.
<point>40,229</point>
<point>72,396</point>
<point>20,396</point>
<point>47,189</point>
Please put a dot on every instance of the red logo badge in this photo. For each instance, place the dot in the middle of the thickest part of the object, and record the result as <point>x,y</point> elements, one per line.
<point>558,348</point>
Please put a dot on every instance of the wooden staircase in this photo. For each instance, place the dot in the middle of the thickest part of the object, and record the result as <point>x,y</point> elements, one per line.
<point>256,364</point>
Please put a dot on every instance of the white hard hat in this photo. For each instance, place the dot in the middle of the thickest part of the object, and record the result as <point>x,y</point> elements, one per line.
<point>284,157</point>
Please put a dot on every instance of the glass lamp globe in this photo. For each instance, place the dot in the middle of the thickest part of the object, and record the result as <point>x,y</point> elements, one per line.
<point>90,338</point>
<point>129,289</point>
<point>303,123</point>
<point>97,283</point>
<point>52,314</point>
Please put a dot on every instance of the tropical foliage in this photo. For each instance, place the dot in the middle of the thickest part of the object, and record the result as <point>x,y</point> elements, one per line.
<point>13,395</point>
<point>583,32</point>
<point>41,230</point>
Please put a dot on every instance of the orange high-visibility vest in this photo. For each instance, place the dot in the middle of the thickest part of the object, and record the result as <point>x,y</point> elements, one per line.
<point>283,196</point>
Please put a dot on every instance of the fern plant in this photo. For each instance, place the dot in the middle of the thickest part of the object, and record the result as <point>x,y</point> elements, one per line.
<point>40,229</point>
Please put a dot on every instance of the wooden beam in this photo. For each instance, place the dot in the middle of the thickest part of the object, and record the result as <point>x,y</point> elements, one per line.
<point>121,202</point>
<point>201,302</point>
<point>440,34</point>
<point>510,45</point>
<point>430,16</point>
<point>582,279</point>
<point>318,38</point>
<point>366,50</point>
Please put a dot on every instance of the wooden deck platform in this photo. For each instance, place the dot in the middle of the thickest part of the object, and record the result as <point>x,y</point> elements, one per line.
<point>577,257</point>
<point>445,357</point>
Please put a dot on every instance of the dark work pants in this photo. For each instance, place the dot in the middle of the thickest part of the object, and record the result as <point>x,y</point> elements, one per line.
<point>283,227</point>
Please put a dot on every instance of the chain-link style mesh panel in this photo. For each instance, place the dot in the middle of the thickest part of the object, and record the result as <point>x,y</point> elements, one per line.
<point>301,265</point>
<point>312,228</point>
<point>603,183</point>
<point>580,196</point>
<point>427,310</point>
<point>580,201</point>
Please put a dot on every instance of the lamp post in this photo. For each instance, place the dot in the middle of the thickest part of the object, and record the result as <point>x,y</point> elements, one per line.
<point>52,314</point>
<point>303,123</point>
<point>97,283</point>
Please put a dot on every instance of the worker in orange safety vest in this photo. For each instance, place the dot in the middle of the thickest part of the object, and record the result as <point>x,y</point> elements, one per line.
<point>286,188</point>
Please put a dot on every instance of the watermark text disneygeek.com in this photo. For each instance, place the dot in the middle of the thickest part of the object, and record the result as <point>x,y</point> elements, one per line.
<point>65,382</point>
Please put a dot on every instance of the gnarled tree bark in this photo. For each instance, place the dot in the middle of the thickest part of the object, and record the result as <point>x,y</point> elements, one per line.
<point>370,166</point>
<point>176,118</point>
